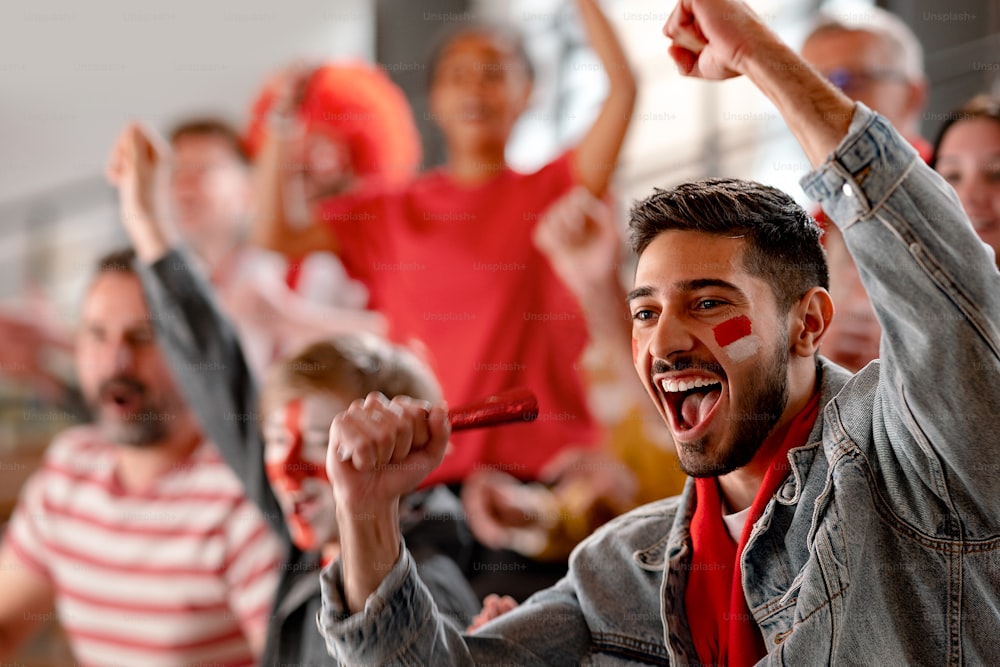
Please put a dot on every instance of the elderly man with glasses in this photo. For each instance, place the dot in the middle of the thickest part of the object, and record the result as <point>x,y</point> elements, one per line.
<point>875,59</point>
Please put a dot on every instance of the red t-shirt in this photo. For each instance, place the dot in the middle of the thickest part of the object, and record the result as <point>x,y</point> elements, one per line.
<point>454,268</point>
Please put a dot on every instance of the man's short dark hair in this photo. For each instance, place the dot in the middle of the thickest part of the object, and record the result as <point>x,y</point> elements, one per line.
<point>211,127</point>
<point>782,240</point>
<point>121,260</point>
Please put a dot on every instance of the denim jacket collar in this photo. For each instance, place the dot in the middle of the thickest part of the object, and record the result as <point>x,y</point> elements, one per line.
<point>672,546</point>
<point>675,545</point>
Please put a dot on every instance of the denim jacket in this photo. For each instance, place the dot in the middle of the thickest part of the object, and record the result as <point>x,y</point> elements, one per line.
<point>882,547</point>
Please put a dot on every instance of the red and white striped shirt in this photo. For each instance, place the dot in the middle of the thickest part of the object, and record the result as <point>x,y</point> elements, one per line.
<point>180,574</point>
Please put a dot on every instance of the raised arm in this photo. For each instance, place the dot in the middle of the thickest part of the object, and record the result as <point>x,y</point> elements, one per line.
<point>936,292</point>
<point>282,218</point>
<point>579,238</point>
<point>932,282</point>
<point>198,341</point>
<point>596,155</point>
<point>720,39</point>
<point>138,168</point>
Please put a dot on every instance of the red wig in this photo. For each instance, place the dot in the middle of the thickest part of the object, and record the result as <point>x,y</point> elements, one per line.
<point>358,105</point>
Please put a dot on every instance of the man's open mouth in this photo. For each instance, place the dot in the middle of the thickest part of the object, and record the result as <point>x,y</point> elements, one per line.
<point>123,394</point>
<point>691,400</point>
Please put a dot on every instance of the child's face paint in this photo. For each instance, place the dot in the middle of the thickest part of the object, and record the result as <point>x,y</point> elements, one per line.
<point>736,338</point>
<point>296,436</point>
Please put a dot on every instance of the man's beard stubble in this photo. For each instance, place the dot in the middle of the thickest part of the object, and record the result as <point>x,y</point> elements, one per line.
<point>760,408</point>
<point>151,424</point>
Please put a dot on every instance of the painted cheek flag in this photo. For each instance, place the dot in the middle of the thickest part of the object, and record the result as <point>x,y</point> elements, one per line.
<point>736,338</point>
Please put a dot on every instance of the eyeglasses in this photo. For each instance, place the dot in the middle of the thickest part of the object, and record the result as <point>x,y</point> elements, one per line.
<point>849,81</point>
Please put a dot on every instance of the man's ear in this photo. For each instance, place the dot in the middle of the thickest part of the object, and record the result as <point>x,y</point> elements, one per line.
<point>809,321</point>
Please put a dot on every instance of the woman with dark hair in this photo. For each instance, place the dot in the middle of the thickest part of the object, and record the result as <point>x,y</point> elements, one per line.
<point>967,155</point>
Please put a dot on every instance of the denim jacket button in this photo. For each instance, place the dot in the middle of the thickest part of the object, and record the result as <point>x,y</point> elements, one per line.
<point>848,192</point>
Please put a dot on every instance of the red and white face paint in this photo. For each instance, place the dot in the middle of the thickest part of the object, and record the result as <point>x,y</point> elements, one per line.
<point>736,338</point>
<point>296,437</point>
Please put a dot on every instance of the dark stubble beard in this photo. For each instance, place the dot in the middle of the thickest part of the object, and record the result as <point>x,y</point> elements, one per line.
<point>149,426</point>
<point>753,419</point>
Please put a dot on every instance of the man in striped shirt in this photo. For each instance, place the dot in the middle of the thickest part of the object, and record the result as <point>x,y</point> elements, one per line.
<point>134,532</point>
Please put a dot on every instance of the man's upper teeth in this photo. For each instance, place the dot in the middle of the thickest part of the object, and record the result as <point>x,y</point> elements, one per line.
<point>670,385</point>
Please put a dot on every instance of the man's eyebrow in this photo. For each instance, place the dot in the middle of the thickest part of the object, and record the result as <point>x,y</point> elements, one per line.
<point>686,286</point>
<point>702,283</point>
<point>640,292</point>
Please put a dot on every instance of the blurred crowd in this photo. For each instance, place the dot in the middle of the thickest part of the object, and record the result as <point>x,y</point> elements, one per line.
<point>283,271</point>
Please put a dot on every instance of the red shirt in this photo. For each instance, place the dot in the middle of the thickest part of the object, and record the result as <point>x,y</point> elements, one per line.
<point>454,267</point>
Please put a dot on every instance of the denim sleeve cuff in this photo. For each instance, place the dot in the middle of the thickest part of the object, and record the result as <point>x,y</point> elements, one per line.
<point>392,618</point>
<point>866,166</point>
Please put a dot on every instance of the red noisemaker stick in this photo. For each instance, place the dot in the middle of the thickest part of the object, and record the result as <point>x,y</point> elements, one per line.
<point>514,405</point>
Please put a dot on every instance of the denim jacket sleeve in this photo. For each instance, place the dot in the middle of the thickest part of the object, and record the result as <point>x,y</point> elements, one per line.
<point>208,365</point>
<point>936,292</point>
<point>401,625</point>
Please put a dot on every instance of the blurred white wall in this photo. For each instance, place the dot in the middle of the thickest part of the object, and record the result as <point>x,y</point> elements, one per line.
<point>72,72</point>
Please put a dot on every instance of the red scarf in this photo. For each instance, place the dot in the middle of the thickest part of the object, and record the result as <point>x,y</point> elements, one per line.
<point>723,631</point>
